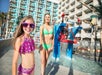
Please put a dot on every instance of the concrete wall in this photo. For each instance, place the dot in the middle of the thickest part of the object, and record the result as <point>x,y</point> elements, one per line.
<point>5,45</point>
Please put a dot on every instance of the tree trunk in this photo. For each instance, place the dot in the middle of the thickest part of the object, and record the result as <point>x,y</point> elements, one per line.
<point>101,36</point>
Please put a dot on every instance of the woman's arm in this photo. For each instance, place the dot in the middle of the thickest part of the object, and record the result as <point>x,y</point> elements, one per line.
<point>15,57</point>
<point>52,40</point>
<point>41,37</point>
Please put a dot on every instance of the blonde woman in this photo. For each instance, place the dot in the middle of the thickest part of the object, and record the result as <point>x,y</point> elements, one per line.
<point>46,41</point>
<point>24,46</point>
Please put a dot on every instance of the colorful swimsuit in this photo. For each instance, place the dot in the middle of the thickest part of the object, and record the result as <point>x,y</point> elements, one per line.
<point>26,47</point>
<point>46,32</point>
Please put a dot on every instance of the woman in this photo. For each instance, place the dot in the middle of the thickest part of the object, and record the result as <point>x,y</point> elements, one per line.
<point>46,41</point>
<point>24,46</point>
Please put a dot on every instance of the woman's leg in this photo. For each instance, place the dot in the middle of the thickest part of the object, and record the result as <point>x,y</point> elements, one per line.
<point>43,61</point>
<point>47,55</point>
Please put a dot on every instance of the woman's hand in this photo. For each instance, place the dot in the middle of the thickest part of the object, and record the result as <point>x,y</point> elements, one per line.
<point>40,48</point>
<point>50,49</point>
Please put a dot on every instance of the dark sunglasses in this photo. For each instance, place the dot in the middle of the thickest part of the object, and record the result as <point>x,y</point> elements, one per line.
<point>26,25</point>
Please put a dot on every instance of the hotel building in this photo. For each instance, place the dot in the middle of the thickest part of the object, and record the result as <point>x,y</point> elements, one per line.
<point>36,8</point>
<point>75,10</point>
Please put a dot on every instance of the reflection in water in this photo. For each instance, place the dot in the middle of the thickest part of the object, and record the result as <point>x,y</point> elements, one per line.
<point>52,68</point>
<point>70,69</point>
<point>79,63</point>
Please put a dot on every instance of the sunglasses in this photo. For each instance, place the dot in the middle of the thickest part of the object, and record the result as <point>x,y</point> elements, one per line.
<point>31,25</point>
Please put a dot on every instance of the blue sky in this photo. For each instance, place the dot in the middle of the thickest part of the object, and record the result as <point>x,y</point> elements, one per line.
<point>4,5</point>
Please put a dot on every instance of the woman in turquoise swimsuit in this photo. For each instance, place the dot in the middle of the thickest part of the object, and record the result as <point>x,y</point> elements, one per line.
<point>46,41</point>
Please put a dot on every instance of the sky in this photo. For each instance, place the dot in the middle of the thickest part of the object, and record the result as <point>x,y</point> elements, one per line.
<point>4,5</point>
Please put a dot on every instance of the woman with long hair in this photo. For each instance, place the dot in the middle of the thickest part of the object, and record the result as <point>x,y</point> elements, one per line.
<point>46,41</point>
<point>24,46</point>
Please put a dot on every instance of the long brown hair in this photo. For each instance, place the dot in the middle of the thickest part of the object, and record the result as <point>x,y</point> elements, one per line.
<point>19,30</point>
<point>44,18</point>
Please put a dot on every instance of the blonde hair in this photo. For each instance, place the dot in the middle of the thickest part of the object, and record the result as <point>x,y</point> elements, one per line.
<point>44,18</point>
<point>19,30</point>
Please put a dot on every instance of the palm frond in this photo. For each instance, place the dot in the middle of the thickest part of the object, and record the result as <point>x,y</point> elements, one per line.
<point>98,9</point>
<point>99,2</point>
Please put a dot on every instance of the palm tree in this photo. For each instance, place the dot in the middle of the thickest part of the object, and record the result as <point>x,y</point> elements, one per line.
<point>98,10</point>
<point>19,18</point>
<point>3,17</point>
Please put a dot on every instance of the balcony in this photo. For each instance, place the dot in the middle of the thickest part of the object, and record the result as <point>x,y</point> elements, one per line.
<point>63,5</point>
<point>87,35</point>
<point>67,6</point>
<point>55,6</point>
<point>86,16</point>
<point>31,10</point>
<point>67,1</point>
<point>79,12</point>
<point>32,5</point>
<point>31,0</point>
<point>13,11</point>
<point>86,10</point>
<point>98,35</point>
<point>54,15</point>
<point>72,10</point>
<point>78,4</point>
<point>22,8</point>
<point>55,10</point>
<point>71,1</point>
<point>88,1</point>
<point>71,7</point>
<point>39,16</point>
<point>23,3</point>
<point>12,1</point>
<point>71,14</point>
<point>13,5</point>
<point>86,26</point>
<point>72,17</point>
<point>48,8</point>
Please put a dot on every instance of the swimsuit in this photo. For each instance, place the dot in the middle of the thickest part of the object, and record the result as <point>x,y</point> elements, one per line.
<point>26,47</point>
<point>46,46</point>
<point>46,32</point>
<point>27,71</point>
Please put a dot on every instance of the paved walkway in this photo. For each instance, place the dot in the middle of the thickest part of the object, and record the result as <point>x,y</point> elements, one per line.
<point>53,68</point>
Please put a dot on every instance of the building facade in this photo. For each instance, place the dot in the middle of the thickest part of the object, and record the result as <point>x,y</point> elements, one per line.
<point>36,8</point>
<point>76,10</point>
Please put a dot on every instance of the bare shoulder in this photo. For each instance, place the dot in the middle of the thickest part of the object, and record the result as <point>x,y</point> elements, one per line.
<point>18,39</point>
<point>41,27</point>
<point>17,43</point>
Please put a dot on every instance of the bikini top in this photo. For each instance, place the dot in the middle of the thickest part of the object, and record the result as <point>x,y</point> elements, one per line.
<point>27,46</point>
<point>46,32</point>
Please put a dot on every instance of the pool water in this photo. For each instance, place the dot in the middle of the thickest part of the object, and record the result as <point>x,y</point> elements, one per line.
<point>79,63</point>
